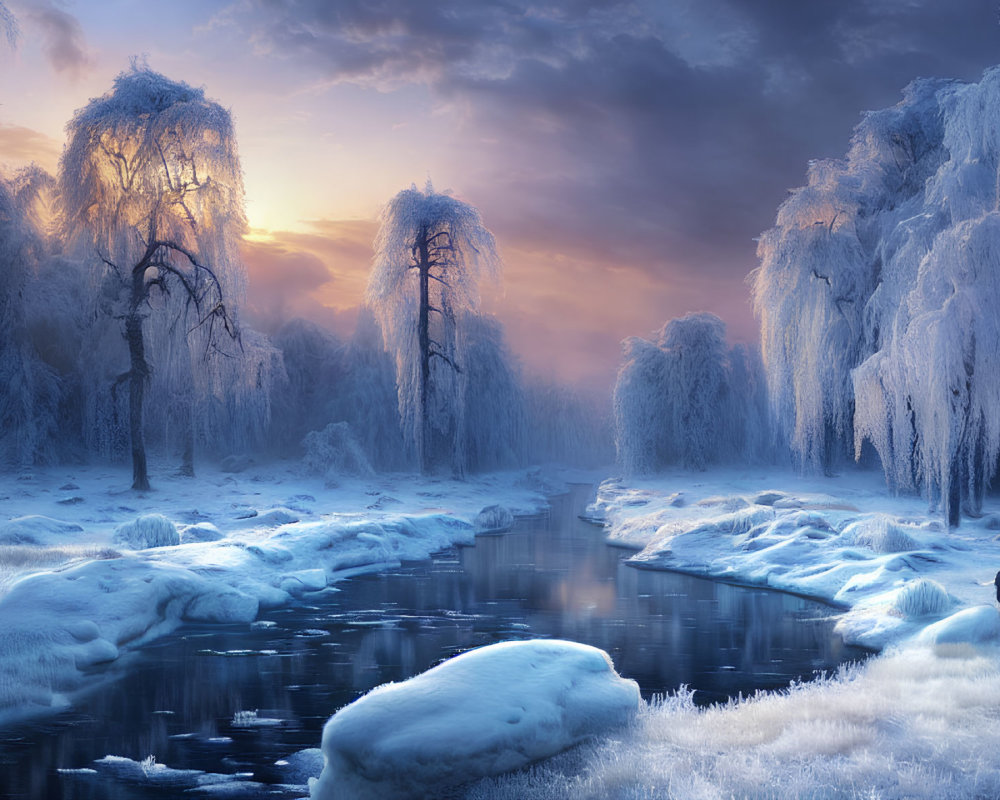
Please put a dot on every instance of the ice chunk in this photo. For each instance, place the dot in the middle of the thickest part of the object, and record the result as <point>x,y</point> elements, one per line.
<point>305,580</point>
<point>149,530</point>
<point>223,605</point>
<point>494,519</point>
<point>486,712</point>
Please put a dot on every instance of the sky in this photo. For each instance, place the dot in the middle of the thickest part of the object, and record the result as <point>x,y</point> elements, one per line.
<point>625,153</point>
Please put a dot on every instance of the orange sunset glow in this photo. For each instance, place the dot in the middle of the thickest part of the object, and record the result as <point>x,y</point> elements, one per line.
<point>625,156</point>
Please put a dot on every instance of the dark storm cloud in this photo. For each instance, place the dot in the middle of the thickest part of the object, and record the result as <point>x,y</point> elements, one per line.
<point>658,135</point>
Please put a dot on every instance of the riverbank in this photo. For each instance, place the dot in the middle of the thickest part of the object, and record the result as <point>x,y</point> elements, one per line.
<point>90,569</point>
<point>891,564</point>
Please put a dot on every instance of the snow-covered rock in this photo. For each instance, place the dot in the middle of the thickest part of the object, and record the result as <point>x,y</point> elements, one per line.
<point>485,712</point>
<point>968,626</point>
<point>149,530</point>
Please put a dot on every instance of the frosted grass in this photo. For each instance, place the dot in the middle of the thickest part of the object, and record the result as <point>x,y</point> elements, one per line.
<point>918,723</point>
<point>19,560</point>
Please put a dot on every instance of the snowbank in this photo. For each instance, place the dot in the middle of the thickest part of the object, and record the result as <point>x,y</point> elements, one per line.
<point>82,583</point>
<point>485,712</point>
<point>887,562</point>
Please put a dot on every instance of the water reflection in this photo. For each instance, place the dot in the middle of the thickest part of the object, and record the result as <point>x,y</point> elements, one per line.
<point>553,576</point>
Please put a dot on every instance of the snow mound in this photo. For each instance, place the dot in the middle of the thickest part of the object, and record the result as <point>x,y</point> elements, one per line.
<point>968,626</point>
<point>34,529</point>
<point>494,519</point>
<point>881,534</point>
<point>485,712</point>
<point>149,530</point>
<point>275,517</point>
<point>201,532</point>
<point>921,598</point>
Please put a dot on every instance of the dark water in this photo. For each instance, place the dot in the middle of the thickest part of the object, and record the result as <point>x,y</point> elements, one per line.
<point>551,577</point>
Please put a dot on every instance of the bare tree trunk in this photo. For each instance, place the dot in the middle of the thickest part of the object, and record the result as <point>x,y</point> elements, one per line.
<point>424,343</point>
<point>138,373</point>
<point>953,507</point>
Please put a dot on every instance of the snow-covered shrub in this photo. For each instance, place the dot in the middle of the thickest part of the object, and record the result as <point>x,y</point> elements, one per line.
<point>493,519</point>
<point>149,530</point>
<point>334,451</point>
<point>920,598</point>
<point>879,532</point>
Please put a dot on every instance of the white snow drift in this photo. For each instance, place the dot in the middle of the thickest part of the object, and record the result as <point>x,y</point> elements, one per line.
<point>485,712</point>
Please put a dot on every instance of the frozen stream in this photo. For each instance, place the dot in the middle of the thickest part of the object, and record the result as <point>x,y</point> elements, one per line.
<point>553,576</point>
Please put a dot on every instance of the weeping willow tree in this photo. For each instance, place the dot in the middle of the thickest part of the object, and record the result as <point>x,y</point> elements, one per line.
<point>152,194</point>
<point>430,253</point>
<point>878,293</point>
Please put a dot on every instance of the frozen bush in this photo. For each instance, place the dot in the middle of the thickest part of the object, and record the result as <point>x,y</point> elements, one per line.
<point>881,534</point>
<point>149,530</point>
<point>921,597</point>
<point>493,519</point>
<point>334,451</point>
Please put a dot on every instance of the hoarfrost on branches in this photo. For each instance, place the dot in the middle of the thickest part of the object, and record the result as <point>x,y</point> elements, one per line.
<point>687,399</point>
<point>152,194</point>
<point>878,290</point>
<point>430,253</point>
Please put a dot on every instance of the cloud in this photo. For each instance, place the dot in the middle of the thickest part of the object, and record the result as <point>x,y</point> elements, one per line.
<point>638,135</point>
<point>319,275</point>
<point>20,145</point>
<point>62,36</point>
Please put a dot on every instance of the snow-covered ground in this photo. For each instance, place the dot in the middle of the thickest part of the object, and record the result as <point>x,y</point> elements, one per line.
<point>918,721</point>
<point>890,563</point>
<point>80,582</point>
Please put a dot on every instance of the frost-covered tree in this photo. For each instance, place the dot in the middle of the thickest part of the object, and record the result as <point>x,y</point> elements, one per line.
<point>430,253</point>
<point>367,398</point>
<point>29,400</point>
<point>152,193</point>
<point>687,399</point>
<point>314,366</point>
<point>696,388</point>
<point>903,346</point>
<point>640,407</point>
<point>492,426</point>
